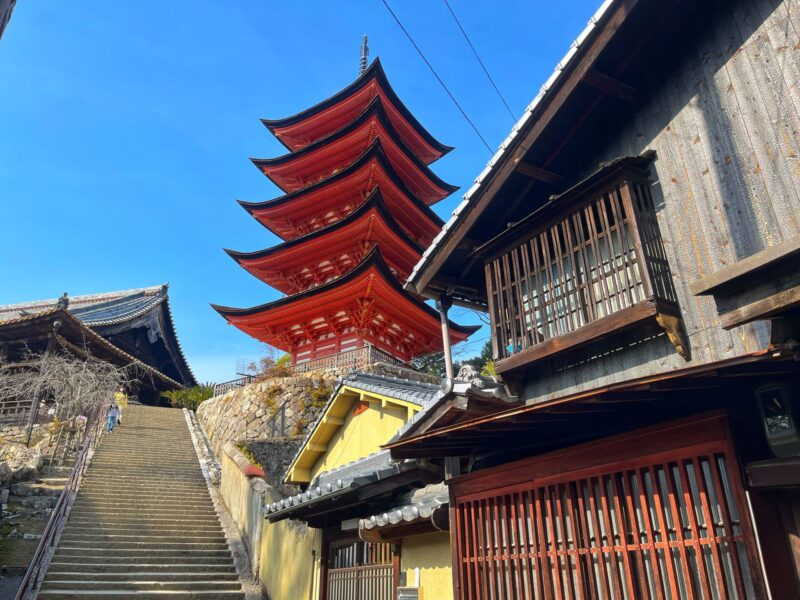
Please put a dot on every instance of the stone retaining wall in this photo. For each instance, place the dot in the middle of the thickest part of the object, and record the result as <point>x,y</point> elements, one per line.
<point>243,414</point>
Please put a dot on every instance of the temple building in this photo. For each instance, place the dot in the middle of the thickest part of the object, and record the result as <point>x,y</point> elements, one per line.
<point>355,218</point>
<point>125,328</point>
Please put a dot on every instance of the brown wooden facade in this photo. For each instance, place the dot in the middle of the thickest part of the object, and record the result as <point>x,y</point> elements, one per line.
<point>635,243</point>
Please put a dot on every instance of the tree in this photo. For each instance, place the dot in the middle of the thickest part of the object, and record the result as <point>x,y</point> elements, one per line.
<point>432,364</point>
<point>71,385</point>
<point>191,397</point>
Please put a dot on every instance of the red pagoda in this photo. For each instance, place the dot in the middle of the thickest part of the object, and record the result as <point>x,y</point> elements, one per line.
<point>355,218</point>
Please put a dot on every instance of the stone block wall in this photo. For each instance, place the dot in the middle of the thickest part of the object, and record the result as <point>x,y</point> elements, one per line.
<point>243,414</point>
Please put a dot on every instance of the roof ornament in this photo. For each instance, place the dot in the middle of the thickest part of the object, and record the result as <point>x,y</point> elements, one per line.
<point>63,302</point>
<point>364,55</point>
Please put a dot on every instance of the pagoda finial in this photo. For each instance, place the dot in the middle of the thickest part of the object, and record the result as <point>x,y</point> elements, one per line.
<point>364,55</point>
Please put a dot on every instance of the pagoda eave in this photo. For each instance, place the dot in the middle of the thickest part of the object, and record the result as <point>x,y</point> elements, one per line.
<point>307,126</point>
<point>293,176</point>
<point>367,301</point>
<point>313,258</point>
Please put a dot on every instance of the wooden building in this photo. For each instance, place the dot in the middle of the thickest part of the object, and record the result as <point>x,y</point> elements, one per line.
<point>128,327</point>
<point>635,243</point>
<point>355,219</point>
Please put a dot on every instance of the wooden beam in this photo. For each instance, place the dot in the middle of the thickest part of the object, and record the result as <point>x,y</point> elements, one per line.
<point>625,318</point>
<point>609,85</point>
<point>537,172</point>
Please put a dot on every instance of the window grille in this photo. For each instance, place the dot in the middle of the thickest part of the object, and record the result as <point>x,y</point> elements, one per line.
<point>602,259</point>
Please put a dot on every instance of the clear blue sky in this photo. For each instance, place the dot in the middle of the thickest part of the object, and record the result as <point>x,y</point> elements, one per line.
<point>126,127</point>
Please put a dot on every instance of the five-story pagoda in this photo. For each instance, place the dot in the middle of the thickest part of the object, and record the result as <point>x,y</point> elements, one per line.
<point>355,218</point>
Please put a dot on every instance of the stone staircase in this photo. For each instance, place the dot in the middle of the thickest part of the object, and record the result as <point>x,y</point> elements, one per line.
<point>143,525</point>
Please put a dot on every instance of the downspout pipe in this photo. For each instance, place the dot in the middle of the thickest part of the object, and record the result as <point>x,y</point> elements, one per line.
<point>443,305</point>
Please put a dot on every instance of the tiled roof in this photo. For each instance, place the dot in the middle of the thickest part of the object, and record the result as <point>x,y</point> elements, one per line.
<point>530,112</point>
<point>118,310</point>
<point>418,504</point>
<point>369,469</point>
<point>394,387</point>
<point>82,303</point>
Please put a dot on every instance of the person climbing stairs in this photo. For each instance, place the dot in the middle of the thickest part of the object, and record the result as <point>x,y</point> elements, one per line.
<point>143,524</point>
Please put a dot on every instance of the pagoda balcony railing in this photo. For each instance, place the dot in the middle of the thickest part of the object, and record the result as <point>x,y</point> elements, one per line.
<point>592,265</point>
<point>356,358</point>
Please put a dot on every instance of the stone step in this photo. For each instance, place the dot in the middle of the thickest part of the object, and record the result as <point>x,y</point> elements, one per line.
<point>143,503</point>
<point>172,493</point>
<point>147,586</point>
<point>122,561</point>
<point>145,530</point>
<point>172,553</point>
<point>106,515</point>
<point>58,594</point>
<point>70,537</point>
<point>127,567</point>
<point>161,576</point>
<point>135,586</point>
<point>149,543</point>
<point>140,521</point>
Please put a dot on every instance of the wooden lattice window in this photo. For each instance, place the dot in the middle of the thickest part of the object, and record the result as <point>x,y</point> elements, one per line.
<point>672,525</point>
<point>594,266</point>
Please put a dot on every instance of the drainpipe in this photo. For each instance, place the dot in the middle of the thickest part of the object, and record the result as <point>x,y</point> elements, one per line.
<point>443,305</point>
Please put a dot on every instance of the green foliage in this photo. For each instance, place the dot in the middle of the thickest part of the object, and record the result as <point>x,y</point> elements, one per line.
<point>191,397</point>
<point>249,455</point>
<point>320,394</point>
<point>432,364</point>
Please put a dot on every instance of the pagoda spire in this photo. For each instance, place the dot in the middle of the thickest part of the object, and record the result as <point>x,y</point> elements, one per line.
<point>364,55</point>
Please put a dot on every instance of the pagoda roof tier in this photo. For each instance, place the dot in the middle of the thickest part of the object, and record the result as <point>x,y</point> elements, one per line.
<point>368,302</point>
<point>296,170</point>
<point>321,120</point>
<point>331,251</point>
<point>331,199</point>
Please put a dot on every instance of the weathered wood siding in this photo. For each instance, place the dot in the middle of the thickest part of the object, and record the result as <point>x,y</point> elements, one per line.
<point>726,183</point>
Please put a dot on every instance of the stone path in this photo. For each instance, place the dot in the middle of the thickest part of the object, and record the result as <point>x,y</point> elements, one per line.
<point>143,525</point>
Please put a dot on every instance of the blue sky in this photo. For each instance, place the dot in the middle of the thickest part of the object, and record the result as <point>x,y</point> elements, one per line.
<point>126,128</point>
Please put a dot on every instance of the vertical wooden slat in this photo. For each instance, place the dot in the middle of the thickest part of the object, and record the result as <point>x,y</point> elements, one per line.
<point>569,579</point>
<point>577,539</point>
<point>610,537</point>
<point>628,491</point>
<point>695,540</point>
<point>708,517</point>
<point>598,536</point>
<point>545,572</point>
<point>678,522</point>
<point>623,542</point>
<point>658,509</point>
<point>591,575</point>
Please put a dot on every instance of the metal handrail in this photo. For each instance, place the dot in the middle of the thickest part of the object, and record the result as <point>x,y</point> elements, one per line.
<point>61,509</point>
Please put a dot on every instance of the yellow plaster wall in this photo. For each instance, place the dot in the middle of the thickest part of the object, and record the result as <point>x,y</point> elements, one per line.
<point>289,566</point>
<point>431,554</point>
<point>284,555</point>
<point>361,435</point>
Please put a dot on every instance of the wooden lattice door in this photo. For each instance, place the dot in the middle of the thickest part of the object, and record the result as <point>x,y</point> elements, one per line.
<point>360,571</point>
<point>668,525</point>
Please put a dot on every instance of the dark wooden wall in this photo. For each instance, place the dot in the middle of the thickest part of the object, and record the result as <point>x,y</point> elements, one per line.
<point>725,125</point>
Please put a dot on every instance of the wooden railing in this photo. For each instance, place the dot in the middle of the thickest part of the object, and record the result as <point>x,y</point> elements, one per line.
<point>373,582</point>
<point>572,276</point>
<point>356,358</point>
<point>61,510</point>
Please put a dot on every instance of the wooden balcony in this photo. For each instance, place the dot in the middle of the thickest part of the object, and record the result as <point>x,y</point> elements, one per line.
<point>588,264</point>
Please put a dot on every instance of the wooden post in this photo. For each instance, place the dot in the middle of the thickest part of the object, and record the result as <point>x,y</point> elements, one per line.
<point>443,305</point>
